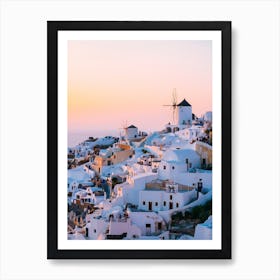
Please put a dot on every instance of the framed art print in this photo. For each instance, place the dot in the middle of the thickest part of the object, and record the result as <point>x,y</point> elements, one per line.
<point>139,140</point>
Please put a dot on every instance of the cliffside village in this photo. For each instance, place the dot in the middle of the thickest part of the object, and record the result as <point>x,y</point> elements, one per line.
<point>140,186</point>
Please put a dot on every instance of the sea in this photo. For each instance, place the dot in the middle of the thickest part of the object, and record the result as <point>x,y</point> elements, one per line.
<point>77,137</point>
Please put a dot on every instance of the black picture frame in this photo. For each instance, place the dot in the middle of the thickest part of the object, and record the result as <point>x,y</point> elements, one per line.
<point>53,27</point>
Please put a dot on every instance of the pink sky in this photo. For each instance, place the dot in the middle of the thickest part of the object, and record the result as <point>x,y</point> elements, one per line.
<point>113,82</point>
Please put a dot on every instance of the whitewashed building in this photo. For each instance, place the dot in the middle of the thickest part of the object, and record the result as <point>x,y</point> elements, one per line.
<point>72,186</point>
<point>129,190</point>
<point>184,117</point>
<point>123,228</point>
<point>177,161</point>
<point>155,164</point>
<point>149,223</point>
<point>184,113</point>
<point>84,197</point>
<point>128,225</point>
<point>131,132</point>
<point>190,133</point>
<point>160,200</point>
<point>96,228</point>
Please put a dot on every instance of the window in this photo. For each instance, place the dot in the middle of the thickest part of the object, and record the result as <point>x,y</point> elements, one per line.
<point>170,197</point>
<point>164,203</point>
<point>156,204</point>
<point>148,225</point>
<point>164,167</point>
<point>94,230</point>
<point>173,167</point>
<point>187,160</point>
<point>144,203</point>
<point>177,204</point>
<point>159,226</point>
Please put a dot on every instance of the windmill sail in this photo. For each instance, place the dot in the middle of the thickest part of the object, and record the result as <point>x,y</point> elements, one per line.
<point>173,105</point>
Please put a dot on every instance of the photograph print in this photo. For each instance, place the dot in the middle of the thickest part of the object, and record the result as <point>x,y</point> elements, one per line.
<point>139,140</point>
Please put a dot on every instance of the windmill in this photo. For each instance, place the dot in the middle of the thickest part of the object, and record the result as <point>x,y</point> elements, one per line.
<point>123,130</point>
<point>173,105</point>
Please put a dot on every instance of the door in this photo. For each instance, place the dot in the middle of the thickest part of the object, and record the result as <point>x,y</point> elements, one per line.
<point>158,226</point>
<point>148,229</point>
<point>170,205</point>
<point>203,163</point>
<point>150,206</point>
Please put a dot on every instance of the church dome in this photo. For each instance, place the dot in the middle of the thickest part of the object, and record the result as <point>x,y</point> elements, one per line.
<point>180,155</point>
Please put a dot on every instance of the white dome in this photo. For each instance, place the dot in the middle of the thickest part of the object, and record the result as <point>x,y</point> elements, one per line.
<point>180,155</point>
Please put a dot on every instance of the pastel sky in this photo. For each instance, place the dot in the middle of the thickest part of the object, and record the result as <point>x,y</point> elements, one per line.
<point>114,82</point>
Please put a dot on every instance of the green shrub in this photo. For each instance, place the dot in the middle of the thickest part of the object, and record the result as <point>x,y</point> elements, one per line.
<point>202,212</point>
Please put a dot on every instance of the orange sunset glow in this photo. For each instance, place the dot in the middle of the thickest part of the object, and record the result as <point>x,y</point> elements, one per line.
<point>113,82</point>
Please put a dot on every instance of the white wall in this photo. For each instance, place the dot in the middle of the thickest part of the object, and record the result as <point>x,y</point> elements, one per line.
<point>132,133</point>
<point>184,115</point>
<point>118,228</point>
<point>160,197</point>
<point>255,85</point>
<point>180,170</point>
<point>179,199</point>
<point>96,227</point>
<point>188,133</point>
<point>190,178</point>
<point>131,191</point>
<point>150,196</point>
<point>155,150</point>
<point>140,219</point>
